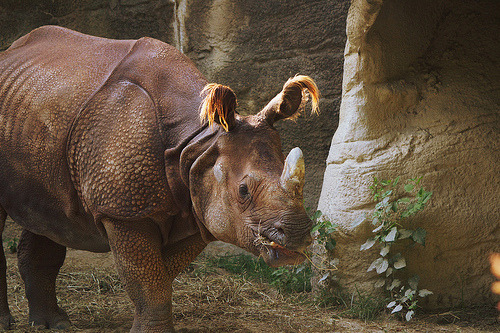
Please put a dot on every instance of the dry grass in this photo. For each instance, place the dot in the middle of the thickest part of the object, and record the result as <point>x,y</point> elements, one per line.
<point>206,299</point>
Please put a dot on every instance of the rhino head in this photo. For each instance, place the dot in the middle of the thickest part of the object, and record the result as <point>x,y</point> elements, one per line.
<point>243,190</point>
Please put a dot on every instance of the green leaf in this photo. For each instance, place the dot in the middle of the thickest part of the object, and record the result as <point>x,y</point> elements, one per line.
<point>417,207</point>
<point>409,293</point>
<point>400,263</point>
<point>391,236</point>
<point>421,192</point>
<point>413,282</point>
<point>426,197</point>
<point>424,292</point>
<point>385,250</point>
<point>315,228</point>
<point>404,233</point>
<point>382,267</point>
<point>398,308</point>
<point>404,200</point>
<point>395,283</point>
<point>409,187</point>
<point>407,213</point>
<point>324,277</point>
<point>372,265</point>
<point>383,203</point>
<point>395,258</point>
<point>377,229</point>
<point>330,244</point>
<point>419,235</point>
<point>360,220</point>
<point>396,181</point>
<point>368,244</point>
<point>380,283</point>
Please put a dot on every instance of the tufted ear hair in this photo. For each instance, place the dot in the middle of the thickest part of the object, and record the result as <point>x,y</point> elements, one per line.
<point>290,102</point>
<point>218,106</point>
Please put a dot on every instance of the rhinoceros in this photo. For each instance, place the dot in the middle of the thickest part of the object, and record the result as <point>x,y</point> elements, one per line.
<point>123,145</point>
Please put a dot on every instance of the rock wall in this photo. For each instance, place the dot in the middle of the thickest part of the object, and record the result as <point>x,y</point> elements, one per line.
<point>255,46</point>
<point>252,46</point>
<point>421,97</point>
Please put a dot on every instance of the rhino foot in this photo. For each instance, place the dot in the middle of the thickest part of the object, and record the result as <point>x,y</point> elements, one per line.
<point>58,320</point>
<point>6,322</point>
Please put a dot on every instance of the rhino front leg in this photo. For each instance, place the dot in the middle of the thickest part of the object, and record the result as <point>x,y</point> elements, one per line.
<point>137,250</point>
<point>148,270</point>
<point>39,261</point>
<point>6,319</point>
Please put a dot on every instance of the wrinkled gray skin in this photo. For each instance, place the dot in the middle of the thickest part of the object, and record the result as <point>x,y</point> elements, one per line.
<point>102,147</point>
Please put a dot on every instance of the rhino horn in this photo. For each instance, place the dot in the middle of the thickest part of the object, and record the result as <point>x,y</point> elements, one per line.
<point>292,178</point>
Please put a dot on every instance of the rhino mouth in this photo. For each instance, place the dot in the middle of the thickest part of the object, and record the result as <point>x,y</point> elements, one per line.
<point>276,254</point>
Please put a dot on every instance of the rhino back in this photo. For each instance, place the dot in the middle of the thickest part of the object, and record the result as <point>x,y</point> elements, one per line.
<point>46,78</point>
<point>148,105</point>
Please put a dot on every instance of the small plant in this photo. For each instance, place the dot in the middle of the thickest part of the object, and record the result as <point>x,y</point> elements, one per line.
<point>12,244</point>
<point>364,306</point>
<point>391,210</point>
<point>323,229</point>
<point>285,279</point>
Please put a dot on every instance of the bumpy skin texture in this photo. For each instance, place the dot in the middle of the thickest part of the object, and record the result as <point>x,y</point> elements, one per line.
<point>102,148</point>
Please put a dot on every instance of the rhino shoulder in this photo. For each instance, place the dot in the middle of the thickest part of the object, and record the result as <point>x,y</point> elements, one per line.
<point>116,156</point>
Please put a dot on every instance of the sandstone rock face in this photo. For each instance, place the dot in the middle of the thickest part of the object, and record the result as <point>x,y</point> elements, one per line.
<point>253,46</point>
<point>421,97</point>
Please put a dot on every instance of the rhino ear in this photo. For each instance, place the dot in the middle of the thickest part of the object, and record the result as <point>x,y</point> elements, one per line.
<point>218,106</point>
<point>291,100</point>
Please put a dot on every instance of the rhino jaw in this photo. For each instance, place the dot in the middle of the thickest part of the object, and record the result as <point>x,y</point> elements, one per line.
<point>275,254</point>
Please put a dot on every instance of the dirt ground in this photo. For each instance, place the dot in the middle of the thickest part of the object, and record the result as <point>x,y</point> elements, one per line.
<point>210,301</point>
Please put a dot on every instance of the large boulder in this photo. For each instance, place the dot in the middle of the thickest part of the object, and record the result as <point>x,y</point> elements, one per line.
<point>421,97</point>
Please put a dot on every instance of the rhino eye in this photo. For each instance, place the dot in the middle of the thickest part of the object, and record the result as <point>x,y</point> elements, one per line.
<point>243,190</point>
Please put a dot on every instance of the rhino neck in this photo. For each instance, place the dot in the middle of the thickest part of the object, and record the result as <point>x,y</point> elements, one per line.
<point>178,164</point>
<point>198,157</point>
